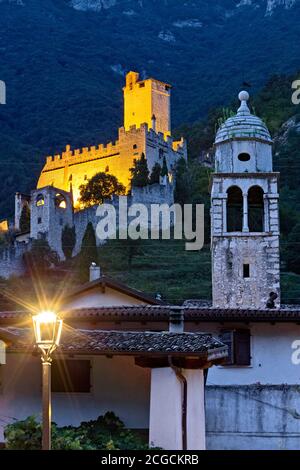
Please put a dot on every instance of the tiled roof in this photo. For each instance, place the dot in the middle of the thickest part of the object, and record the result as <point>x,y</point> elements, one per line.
<point>114,284</point>
<point>125,342</point>
<point>151,313</point>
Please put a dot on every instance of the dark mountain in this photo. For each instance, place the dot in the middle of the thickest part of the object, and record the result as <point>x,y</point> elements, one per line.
<point>64,62</point>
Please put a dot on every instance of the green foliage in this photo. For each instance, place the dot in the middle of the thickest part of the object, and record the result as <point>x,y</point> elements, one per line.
<point>41,257</point>
<point>25,219</point>
<point>88,253</point>
<point>155,174</point>
<point>68,240</point>
<point>183,183</point>
<point>101,186</point>
<point>140,172</point>
<point>293,250</point>
<point>105,433</point>
<point>164,170</point>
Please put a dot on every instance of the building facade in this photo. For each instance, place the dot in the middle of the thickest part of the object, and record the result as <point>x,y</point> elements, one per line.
<point>244,214</point>
<point>147,129</point>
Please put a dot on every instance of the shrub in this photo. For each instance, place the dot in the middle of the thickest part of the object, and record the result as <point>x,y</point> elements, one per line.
<point>105,433</point>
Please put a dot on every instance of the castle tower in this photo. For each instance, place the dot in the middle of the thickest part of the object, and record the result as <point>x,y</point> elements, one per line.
<point>146,101</point>
<point>51,211</point>
<point>244,215</point>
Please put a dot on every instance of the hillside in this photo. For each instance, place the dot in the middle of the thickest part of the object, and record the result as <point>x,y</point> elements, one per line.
<point>64,63</point>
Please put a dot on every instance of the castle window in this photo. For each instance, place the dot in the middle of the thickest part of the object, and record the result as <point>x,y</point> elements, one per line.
<point>134,146</point>
<point>246,271</point>
<point>234,209</point>
<point>256,209</point>
<point>40,201</point>
<point>71,376</point>
<point>160,153</point>
<point>70,177</point>
<point>85,177</point>
<point>39,220</point>
<point>107,169</point>
<point>239,347</point>
<point>141,85</point>
<point>244,157</point>
<point>60,201</point>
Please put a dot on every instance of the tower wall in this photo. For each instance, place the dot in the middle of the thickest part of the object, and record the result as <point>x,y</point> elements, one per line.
<point>232,250</point>
<point>143,99</point>
<point>47,218</point>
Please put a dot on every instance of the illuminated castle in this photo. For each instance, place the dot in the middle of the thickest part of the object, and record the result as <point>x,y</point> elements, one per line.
<point>147,129</point>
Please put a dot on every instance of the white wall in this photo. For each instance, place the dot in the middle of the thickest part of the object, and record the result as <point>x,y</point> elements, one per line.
<point>271,351</point>
<point>118,385</point>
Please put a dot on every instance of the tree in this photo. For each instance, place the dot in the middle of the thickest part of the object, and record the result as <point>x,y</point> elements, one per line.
<point>155,174</point>
<point>140,172</point>
<point>164,170</point>
<point>292,253</point>
<point>41,257</point>
<point>25,219</point>
<point>99,187</point>
<point>88,252</point>
<point>68,240</point>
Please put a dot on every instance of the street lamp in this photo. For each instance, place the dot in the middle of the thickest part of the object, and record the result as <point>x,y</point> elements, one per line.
<point>47,330</point>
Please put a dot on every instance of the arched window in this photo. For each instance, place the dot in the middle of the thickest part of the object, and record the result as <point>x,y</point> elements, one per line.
<point>256,209</point>
<point>234,209</point>
<point>40,201</point>
<point>60,201</point>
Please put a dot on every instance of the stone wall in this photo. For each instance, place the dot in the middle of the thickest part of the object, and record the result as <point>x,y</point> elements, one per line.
<point>252,417</point>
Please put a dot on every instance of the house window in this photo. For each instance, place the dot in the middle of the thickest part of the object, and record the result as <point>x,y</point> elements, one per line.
<point>238,342</point>
<point>39,220</point>
<point>234,209</point>
<point>256,209</point>
<point>141,85</point>
<point>246,271</point>
<point>71,376</point>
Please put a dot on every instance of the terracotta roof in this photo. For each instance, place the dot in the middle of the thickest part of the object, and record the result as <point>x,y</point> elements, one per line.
<point>119,286</point>
<point>82,341</point>
<point>148,313</point>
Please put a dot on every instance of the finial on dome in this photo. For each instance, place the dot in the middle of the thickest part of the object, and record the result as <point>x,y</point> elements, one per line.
<point>244,97</point>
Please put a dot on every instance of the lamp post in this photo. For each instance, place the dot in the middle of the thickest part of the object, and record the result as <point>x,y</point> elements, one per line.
<point>47,330</point>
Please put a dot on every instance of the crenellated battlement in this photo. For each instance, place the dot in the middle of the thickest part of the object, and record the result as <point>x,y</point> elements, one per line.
<point>69,156</point>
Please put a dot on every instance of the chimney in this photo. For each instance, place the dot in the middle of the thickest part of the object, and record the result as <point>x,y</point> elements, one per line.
<point>95,272</point>
<point>176,320</point>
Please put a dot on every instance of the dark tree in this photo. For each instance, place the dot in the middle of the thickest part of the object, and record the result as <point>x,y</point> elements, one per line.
<point>164,170</point>
<point>140,172</point>
<point>41,257</point>
<point>155,174</point>
<point>25,219</point>
<point>88,252</point>
<point>68,240</point>
<point>99,187</point>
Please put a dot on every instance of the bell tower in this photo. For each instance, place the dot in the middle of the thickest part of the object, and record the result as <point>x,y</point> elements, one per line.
<point>244,215</point>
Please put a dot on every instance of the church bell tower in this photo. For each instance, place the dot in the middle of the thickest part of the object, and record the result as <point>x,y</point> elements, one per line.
<point>244,215</point>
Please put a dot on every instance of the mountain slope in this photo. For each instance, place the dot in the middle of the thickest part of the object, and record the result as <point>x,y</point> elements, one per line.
<point>64,63</point>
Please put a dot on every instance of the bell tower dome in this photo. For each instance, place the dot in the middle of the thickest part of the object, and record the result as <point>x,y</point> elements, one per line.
<point>244,214</point>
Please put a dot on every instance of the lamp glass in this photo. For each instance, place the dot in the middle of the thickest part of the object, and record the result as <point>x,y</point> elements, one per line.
<point>47,329</point>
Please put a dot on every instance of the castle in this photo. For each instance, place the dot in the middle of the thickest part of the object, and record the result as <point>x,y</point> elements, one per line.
<point>147,129</point>
<point>55,202</point>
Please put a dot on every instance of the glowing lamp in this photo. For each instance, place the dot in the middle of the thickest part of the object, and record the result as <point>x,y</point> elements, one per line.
<point>47,330</point>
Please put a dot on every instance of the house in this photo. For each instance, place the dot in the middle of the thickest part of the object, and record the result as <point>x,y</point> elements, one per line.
<point>112,358</point>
